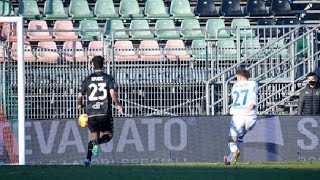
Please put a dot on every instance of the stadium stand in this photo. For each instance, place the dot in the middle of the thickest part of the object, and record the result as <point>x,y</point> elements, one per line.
<point>38,31</point>
<point>155,9</point>
<point>149,50</point>
<point>230,8</point>
<point>73,52</point>
<point>199,50</point>
<point>129,9</point>
<point>98,48</point>
<point>29,10</point>
<point>105,9</point>
<point>79,10</point>
<point>216,29</point>
<point>195,29</point>
<point>256,8</point>
<point>163,30</point>
<point>244,33</point>
<point>28,54</point>
<point>113,25</point>
<point>181,9</point>
<point>140,25</point>
<point>53,9</point>
<point>6,8</point>
<point>175,50</point>
<point>89,30</point>
<point>124,51</point>
<point>61,29</point>
<point>47,52</point>
<point>281,7</point>
<point>205,8</point>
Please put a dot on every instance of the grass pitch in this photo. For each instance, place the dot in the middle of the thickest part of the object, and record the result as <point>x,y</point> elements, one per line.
<point>181,171</point>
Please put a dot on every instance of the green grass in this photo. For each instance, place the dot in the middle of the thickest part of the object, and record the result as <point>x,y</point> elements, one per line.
<point>188,171</point>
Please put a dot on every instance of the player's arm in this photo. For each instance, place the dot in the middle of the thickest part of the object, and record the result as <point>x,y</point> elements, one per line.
<point>253,105</point>
<point>301,102</point>
<point>82,90</point>
<point>115,99</point>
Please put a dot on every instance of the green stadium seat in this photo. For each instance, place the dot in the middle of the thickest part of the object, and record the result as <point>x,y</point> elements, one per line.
<point>191,34</point>
<point>130,9</point>
<point>250,47</point>
<point>140,24</point>
<point>113,25</point>
<point>89,30</point>
<point>165,34</point>
<point>284,53</point>
<point>199,49</point>
<point>155,9</point>
<point>6,8</point>
<point>226,49</point>
<point>244,33</point>
<point>53,9</point>
<point>79,10</point>
<point>181,9</point>
<point>29,10</point>
<point>105,9</point>
<point>213,26</point>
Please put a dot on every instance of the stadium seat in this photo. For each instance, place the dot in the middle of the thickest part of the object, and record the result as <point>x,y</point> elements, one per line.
<point>281,7</point>
<point>3,55</point>
<point>267,32</point>
<point>244,33</point>
<point>124,51</point>
<point>191,34</point>
<point>130,9</point>
<point>226,50</point>
<point>290,21</point>
<point>205,8</point>
<point>65,25</point>
<point>250,47</point>
<point>6,8</point>
<point>113,25</point>
<point>165,34</point>
<point>28,55</point>
<point>42,28</point>
<point>230,8</point>
<point>105,9</point>
<point>47,52</point>
<point>180,9</point>
<point>29,10</point>
<point>149,51</point>
<point>140,24</point>
<point>213,26</point>
<point>199,49</point>
<point>89,30</point>
<point>175,50</point>
<point>53,9</point>
<point>97,48</point>
<point>284,53</point>
<point>155,9</point>
<point>72,51</point>
<point>256,8</point>
<point>9,32</point>
<point>79,10</point>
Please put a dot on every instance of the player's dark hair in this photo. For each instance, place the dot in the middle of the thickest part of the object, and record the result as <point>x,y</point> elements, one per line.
<point>97,62</point>
<point>311,74</point>
<point>243,72</point>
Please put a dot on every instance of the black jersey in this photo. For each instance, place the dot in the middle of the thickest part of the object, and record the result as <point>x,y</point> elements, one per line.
<point>97,88</point>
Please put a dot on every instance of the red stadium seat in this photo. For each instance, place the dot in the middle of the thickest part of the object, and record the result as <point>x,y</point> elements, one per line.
<point>149,51</point>
<point>42,28</point>
<point>64,26</point>
<point>95,49</point>
<point>9,32</point>
<point>28,55</point>
<point>124,51</point>
<point>176,50</point>
<point>73,52</point>
<point>47,52</point>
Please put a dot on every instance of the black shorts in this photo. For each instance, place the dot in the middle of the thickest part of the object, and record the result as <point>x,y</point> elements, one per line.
<point>100,123</point>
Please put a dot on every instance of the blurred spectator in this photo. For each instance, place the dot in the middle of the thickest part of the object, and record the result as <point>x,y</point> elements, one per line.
<point>309,100</point>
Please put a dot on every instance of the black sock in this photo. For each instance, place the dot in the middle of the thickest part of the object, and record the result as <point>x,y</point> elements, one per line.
<point>104,139</point>
<point>89,153</point>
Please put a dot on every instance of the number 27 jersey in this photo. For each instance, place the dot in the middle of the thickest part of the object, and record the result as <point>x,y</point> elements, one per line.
<point>97,87</point>
<point>244,93</point>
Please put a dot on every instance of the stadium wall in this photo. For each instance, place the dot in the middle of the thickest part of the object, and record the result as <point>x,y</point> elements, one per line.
<point>171,139</point>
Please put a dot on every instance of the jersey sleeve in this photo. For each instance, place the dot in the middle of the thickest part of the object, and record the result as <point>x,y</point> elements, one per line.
<point>253,96</point>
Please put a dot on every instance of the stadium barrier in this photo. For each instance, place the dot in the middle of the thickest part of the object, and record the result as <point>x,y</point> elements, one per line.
<point>170,139</point>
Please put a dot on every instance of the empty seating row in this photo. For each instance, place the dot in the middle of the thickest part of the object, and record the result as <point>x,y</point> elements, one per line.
<point>78,9</point>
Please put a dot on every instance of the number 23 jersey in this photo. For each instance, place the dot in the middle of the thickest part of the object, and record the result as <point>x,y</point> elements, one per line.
<point>244,93</point>
<point>97,87</point>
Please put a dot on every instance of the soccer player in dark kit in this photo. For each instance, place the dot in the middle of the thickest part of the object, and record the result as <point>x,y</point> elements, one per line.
<point>100,89</point>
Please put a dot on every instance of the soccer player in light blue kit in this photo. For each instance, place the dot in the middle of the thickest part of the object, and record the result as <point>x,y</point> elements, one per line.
<point>243,111</point>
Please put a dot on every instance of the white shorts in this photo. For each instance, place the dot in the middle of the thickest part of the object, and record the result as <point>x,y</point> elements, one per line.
<point>241,124</point>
